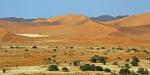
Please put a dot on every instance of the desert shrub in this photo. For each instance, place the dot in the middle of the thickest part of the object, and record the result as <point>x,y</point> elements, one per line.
<point>95,58</point>
<point>115,63</point>
<point>49,59</point>
<point>54,50</point>
<point>93,67</point>
<point>71,47</point>
<point>11,47</point>
<point>56,47</point>
<point>86,67</point>
<point>133,73</point>
<point>4,70</point>
<point>34,47</point>
<point>26,50</point>
<point>98,48</point>
<point>107,70</point>
<point>100,59</point>
<point>132,49</point>
<point>134,58</point>
<point>134,63</point>
<point>119,48</point>
<point>65,69</point>
<point>145,51</point>
<point>127,60</point>
<point>98,68</point>
<point>124,71</point>
<point>54,61</point>
<point>53,68</point>
<point>76,63</point>
<point>103,48</point>
<point>127,65</point>
<point>143,71</point>
<point>54,56</point>
<point>113,48</point>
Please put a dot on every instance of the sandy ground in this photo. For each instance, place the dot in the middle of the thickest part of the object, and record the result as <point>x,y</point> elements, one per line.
<point>73,69</point>
<point>29,60</point>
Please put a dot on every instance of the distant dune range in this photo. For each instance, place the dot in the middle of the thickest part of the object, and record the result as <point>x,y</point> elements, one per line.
<point>78,27</point>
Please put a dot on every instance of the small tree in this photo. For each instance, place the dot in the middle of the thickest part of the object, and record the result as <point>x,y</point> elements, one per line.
<point>53,68</point>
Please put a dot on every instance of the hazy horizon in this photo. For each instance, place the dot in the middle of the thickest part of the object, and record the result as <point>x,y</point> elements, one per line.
<point>91,8</point>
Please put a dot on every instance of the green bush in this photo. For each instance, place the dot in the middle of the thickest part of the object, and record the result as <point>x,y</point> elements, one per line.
<point>53,68</point>
<point>134,63</point>
<point>86,67</point>
<point>93,67</point>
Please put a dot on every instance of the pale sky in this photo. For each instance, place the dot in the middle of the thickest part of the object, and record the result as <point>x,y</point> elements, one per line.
<point>91,8</point>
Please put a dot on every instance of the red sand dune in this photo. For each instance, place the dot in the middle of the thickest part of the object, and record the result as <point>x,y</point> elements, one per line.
<point>134,20</point>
